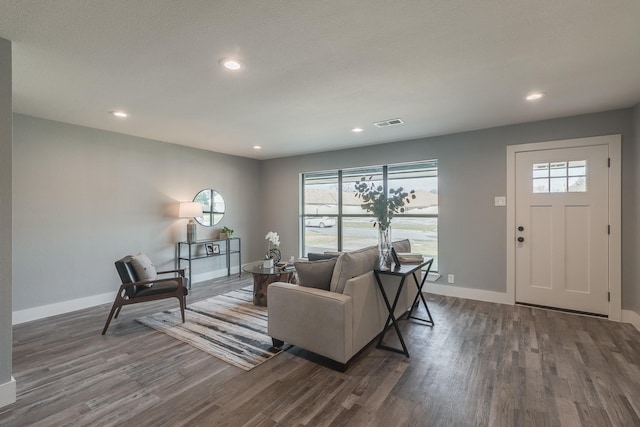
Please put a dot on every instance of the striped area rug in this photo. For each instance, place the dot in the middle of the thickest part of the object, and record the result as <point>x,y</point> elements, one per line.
<point>227,326</point>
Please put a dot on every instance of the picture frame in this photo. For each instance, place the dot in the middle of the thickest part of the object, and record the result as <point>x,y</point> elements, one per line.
<point>216,249</point>
<point>209,248</point>
<point>396,260</point>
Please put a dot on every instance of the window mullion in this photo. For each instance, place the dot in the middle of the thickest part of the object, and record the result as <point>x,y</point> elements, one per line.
<point>385,184</point>
<point>339,210</point>
<point>302,245</point>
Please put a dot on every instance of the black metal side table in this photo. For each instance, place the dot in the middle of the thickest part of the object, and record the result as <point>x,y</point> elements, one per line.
<point>403,272</point>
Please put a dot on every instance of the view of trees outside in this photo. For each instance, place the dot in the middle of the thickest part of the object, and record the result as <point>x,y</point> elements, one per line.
<point>419,222</point>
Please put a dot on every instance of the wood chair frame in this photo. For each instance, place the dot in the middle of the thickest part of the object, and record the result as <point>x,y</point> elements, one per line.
<point>122,299</point>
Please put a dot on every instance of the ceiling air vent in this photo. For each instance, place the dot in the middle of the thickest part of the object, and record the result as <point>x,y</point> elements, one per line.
<point>391,122</point>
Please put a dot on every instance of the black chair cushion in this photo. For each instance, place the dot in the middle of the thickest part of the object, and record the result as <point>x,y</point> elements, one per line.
<point>127,274</point>
<point>125,269</point>
<point>157,289</point>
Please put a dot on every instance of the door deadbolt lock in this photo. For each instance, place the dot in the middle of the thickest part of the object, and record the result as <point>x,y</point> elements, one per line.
<point>520,239</point>
<point>521,228</point>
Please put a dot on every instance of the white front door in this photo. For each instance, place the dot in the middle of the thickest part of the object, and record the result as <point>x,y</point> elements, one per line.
<point>562,228</point>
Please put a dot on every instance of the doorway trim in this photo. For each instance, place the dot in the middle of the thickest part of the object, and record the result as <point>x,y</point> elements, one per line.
<point>615,211</point>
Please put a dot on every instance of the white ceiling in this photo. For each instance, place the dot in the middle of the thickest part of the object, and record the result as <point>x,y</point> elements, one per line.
<point>317,68</point>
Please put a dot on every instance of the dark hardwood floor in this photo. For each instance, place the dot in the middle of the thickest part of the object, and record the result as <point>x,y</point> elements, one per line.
<point>481,365</point>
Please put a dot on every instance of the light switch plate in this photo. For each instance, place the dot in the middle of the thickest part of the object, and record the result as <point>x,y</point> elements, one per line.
<point>501,201</point>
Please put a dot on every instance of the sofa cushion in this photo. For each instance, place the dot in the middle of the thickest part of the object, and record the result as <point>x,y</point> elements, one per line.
<point>402,246</point>
<point>312,256</point>
<point>315,274</point>
<point>352,264</point>
<point>144,268</point>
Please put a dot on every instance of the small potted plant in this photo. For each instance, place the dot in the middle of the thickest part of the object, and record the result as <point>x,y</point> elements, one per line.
<point>226,233</point>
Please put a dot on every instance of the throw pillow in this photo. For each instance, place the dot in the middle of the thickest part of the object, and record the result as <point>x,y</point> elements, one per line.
<point>352,264</point>
<point>402,246</point>
<point>144,268</point>
<point>317,257</point>
<point>315,274</point>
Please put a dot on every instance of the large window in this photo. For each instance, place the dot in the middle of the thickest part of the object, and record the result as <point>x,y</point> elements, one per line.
<point>332,219</point>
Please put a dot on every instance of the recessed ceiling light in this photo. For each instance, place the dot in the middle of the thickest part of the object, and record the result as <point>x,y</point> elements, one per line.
<point>119,114</point>
<point>534,96</point>
<point>231,64</point>
<point>257,147</point>
<point>356,130</point>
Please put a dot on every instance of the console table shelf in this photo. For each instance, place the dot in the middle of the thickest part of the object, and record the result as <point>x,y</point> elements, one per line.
<point>185,251</point>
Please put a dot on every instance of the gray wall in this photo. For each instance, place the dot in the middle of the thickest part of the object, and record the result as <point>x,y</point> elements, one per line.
<point>84,198</point>
<point>5,212</point>
<point>472,171</point>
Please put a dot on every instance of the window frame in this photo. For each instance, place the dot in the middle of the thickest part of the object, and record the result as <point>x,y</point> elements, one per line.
<point>340,215</point>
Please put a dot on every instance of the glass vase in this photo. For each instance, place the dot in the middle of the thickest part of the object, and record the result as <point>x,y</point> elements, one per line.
<point>384,248</point>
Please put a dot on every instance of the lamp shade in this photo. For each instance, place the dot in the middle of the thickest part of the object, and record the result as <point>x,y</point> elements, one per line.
<point>190,210</point>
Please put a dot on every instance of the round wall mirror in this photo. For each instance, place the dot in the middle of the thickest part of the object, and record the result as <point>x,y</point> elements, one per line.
<point>212,207</point>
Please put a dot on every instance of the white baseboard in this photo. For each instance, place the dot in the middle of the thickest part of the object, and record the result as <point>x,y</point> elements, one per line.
<point>8,393</point>
<point>630,316</point>
<point>468,293</point>
<point>40,312</point>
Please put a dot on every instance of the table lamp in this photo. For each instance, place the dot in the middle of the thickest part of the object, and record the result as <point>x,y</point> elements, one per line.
<point>190,210</point>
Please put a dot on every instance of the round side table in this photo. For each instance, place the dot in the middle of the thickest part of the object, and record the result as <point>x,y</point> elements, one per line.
<point>263,277</point>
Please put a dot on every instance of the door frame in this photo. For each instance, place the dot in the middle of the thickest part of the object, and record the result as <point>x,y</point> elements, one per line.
<point>614,143</point>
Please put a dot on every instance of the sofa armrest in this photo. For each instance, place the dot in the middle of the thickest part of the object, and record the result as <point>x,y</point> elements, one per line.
<point>314,319</point>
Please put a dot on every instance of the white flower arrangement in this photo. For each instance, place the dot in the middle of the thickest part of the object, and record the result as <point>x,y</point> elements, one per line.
<point>273,253</point>
<point>273,239</point>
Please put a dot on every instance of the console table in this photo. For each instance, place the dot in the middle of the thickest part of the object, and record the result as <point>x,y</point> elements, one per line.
<point>185,252</point>
<point>404,271</point>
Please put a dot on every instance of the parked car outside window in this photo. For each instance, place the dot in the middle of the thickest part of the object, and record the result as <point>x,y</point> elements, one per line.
<point>321,222</point>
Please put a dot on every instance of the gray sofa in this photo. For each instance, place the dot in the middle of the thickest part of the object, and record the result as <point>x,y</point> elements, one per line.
<point>336,318</point>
